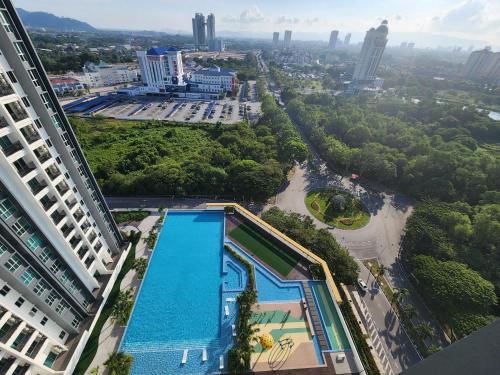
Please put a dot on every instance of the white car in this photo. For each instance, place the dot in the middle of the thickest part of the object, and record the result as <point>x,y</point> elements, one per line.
<point>362,285</point>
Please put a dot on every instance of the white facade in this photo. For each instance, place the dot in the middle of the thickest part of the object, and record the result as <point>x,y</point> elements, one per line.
<point>161,68</point>
<point>333,39</point>
<point>57,236</point>
<point>371,53</point>
<point>102,74</point>
<point>288,39</point>
<point>213,80</point>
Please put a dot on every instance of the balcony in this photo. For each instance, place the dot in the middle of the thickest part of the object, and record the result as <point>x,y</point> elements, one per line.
<point>66,230</point>
<point>36,186</point>
<point>78,215</point>
<point>89,261</point>
<point>57,217</point>
<point>47,202</point>
<point>75,241</point>
<point>62,188</point>
<point>25,169</point>
<point>3,123</point>
<point>30,134</point>
<point>5,87</point>
<point>82,252</point>
<point>71,204</point>
<point>12,148</point>
<point>53,172</point>
<point>98,247</point>
<point>43,156</point>
<point>92,237</point>
<point>16,111</point>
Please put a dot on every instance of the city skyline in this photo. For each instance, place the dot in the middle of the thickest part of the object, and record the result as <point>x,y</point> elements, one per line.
<point>441,22</point>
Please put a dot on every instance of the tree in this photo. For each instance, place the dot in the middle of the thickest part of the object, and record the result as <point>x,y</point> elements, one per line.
<point>408,311</point>
<point>338,201</point>
<point>399,295</point>
<point>140,265</point>
<point>381,271</point>
<point>120,311</point>
<point>425,330</point>
<point>119,363</point>
<point>94,371</point>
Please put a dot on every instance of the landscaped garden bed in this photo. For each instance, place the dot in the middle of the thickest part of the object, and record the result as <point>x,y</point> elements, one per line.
<point>337,208</point>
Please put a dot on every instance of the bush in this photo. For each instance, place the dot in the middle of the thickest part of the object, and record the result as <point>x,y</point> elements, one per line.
<point>124,216</point>
<point>140,265</point>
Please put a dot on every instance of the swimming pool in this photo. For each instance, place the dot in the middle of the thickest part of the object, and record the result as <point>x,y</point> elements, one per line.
<point>181,304</point>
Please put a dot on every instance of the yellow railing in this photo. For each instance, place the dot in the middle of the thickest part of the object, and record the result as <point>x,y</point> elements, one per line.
<point>297,247</point>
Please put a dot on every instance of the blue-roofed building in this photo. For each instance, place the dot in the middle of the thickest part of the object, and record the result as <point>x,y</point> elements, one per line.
<point>161,68</point>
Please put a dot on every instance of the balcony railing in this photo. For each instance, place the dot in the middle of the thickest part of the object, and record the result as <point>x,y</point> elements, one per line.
<point>43,157</point>
<point>71,204</point>
<point>67,231</point>
<point>3,123</point>
<point>62,189</point>
<point>12,148</point>
<point>35,189</point>
<point>75,241</point>
<point>53,173</point>
<point>31,137</point>
<point>5,88</point>
<point>57,217</point>
<point>92,238</point>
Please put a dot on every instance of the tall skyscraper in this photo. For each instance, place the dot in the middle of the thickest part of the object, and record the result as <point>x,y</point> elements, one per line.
<point>211,32</point>
<point>288,39</point>
<point>59,244</point>
<point>276,38</point>
<point>347,39</point>
<point>371,53</point>
<point>199,34</point>
<point>333,39</point>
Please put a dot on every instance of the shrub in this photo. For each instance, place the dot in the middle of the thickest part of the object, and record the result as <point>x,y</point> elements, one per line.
<point>123,217</point>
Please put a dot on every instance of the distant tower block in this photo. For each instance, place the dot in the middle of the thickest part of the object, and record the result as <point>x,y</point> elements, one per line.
<point>333,39</point>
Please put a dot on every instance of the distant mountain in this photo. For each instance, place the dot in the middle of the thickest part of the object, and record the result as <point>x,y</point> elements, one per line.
<point>42,20</point>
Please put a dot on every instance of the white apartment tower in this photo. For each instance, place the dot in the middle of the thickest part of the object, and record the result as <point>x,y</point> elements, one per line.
<point>161,68</point>
<point>199,34</point>
<point>371,53</point>
<point>276,38</point>
<point>333,39</point>
<point>288,39</point>
<point>347,39</point>
<point>59,244</point>
<point>482,64</point>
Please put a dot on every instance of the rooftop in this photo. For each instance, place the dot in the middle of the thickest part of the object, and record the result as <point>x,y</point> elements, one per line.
<point>158,51</point>
<point>215,71</point>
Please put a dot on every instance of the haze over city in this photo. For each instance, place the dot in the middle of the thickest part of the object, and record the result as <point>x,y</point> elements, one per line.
<point>429,23</point>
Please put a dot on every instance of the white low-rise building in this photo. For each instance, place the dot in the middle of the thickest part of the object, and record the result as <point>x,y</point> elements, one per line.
<point>104,74</point>
<point>213,80</point>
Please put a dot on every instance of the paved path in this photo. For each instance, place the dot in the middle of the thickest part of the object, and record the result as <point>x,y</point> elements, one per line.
<point>111,333</point>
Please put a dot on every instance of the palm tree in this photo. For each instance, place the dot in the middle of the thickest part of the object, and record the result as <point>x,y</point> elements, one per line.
<point>120,311</point>
<point>425,330</point>
<point>94,371</point>
<point>119,363</point>
<point>140,265</point>
<point>381,271</point>
<point>409,311</point>
<point>399,295</point>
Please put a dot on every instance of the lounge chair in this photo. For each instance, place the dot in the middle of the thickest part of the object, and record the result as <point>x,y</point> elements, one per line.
<point>221,362</point>
<point>226,310</point>
<point>204,355</point>
<point>233,327</point>
<point>184,357</point>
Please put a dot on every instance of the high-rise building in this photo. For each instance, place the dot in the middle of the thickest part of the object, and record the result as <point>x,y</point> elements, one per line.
<point>333,39</point>
<point>161,68</point>
<point>211,32</point>
<point>276,38</point>
<point>199,34</point>
<point>371,53</point>
<point>288,39</point>
<point>482,64</point>
<point>60,249</point>
<point>347,39</point>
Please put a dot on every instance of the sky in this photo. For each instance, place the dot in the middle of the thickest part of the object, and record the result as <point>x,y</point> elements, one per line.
<point>427,22</point>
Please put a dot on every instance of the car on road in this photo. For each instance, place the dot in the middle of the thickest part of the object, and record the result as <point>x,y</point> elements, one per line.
<point>362,285</point>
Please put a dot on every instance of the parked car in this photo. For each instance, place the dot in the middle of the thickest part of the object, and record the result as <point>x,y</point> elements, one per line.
<point>362,285</point>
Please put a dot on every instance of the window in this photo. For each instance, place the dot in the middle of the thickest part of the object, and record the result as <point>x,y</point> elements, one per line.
<point>40,288</point>
<point>33,311</point>
<point>19,302</point>
<point>13,263</point>
<point>38,123</point>
<point>64,277</point>
<point>34,241</point>
<point>58,159</point>
<point>21,226</point>
<point>62,334</point>
<point>26,101</point>
<point>46,101</point>
<point>34,77</point>
<point>56,266</point>
<point>27,276</point>
<point>5,290</point>
<point>51,358</point>
<point>76,322</point>
<point>7,209</point>
<point>73,287</point>
<point>62,307</point>
<point>3,248</point>
<point>11,76</point>
<point>56,121</point>
<point>49,143</point>
<point>51,298</point>
<point>43,321</point>
<point>46,255</point>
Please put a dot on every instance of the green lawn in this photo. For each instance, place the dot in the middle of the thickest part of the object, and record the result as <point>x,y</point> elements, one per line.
<point>270,253</point>
<point>354,215</point>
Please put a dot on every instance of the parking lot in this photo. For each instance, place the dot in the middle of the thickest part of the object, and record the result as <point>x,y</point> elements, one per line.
<point>226,111</point>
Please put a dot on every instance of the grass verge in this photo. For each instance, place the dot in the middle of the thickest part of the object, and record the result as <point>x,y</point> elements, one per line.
<point>90,350</point>
<point>270,253</point>
<point>353,216</point>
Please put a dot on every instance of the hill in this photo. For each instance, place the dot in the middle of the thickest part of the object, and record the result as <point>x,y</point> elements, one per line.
<point>43,20</point>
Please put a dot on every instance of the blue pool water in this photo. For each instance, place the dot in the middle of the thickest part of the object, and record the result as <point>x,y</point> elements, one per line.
<point>181,303</point>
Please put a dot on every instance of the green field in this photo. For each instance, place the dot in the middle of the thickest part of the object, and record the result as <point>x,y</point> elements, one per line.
<point>267,251</point>
<point>354,215</point>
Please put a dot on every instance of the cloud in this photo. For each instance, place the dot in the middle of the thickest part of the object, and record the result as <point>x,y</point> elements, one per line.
<point>252,15</point>
<point>311,21</point>
<point>398,17</point>
<point>471,16</point>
